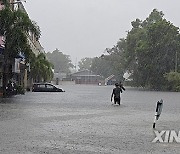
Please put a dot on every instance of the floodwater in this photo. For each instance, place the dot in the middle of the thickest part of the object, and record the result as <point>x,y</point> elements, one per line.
<point>83,120</point>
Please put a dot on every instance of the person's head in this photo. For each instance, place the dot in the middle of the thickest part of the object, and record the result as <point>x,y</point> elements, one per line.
<point>116,84</point>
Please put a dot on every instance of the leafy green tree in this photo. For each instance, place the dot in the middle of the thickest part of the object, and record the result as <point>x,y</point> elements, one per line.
<point>151,49</point>
<point>101,66</point>
<point>41,68</point>
<point>173,79</point>
<point>163,45</point>
<point>85,63</point>
<point>61,62</point>
<point>14,26</point>
<point>116,59</point>
<point>113,63</point>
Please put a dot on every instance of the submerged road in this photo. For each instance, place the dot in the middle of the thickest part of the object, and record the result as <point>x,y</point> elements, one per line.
<point>82,120</point>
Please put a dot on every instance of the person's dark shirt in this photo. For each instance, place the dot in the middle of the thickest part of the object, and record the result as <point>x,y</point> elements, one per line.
<point>117,91</point>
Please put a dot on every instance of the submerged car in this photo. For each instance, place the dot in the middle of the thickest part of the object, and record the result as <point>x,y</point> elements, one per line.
<point>45,87</point>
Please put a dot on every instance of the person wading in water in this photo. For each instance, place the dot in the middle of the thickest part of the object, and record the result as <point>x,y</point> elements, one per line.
<point>116,93</point>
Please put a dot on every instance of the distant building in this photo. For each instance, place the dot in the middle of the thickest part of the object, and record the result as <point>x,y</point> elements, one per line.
<point>85,77</point>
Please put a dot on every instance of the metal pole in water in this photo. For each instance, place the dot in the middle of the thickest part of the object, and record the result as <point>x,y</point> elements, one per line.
<point>158,112</point>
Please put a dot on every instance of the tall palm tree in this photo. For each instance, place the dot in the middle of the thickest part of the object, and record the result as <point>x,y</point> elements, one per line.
<point>14,26</point>
<point>41,68</point>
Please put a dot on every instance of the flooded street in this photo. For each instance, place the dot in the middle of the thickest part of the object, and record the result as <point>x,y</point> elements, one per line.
<point>82,120</point>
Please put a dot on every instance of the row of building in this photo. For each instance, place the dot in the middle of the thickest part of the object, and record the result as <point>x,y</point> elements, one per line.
<point>17,65</point>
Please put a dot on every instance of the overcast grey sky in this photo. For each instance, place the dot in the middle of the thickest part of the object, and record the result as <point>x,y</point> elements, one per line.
<point>84,28</point>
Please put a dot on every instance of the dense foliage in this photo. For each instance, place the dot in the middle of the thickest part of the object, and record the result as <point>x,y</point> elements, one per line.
<point>15,26</point>
<point>173,79</point>
<point>41,68</point>
<point>85,63</point>
<point>60,61</point>
<point>150,53</point>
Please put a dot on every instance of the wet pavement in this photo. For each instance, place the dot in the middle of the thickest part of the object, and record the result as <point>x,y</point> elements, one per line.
<point>82,120</point>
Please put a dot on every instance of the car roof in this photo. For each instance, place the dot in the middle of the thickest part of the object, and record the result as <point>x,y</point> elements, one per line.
<point>42,83</point>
